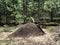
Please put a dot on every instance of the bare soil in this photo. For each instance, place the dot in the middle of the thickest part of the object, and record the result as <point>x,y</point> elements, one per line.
<point>26,30</point>
<point>29,34</point>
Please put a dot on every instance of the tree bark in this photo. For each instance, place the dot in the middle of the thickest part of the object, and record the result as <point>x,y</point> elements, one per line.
<point>24,10</point>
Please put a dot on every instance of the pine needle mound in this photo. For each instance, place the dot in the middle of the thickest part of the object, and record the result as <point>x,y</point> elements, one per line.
<point>29,29</point>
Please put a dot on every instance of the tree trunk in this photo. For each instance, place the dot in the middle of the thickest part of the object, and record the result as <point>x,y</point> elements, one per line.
<point>52,13</point>
<point>51,16</point>
<point>24,10</point>
<point>38,7</point>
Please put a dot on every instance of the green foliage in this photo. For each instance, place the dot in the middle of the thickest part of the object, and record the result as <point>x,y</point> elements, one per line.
<point>18,16</point>
<point>52,8</point>
<point>13,10</point>
<point>8,11</point>
<point>48,5</point>
<point>52,4</point>
<point>51,29</point>
<point>6,28</point>
<point>5,42</point>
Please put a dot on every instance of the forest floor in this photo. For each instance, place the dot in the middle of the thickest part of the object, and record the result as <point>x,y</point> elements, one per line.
<point>31,40</point>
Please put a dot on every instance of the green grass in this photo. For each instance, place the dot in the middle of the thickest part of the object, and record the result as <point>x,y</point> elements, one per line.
<point>1,29</point>
<point>5,42</point>
<point>51,29</point>
<point>21,43</point>
<point>6,28</point>
<point>8,42</point>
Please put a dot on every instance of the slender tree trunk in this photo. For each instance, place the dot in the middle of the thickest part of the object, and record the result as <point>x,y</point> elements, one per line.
<point>52,11</point>
<point>51,16</point>
<point>38,8</point>
<point>24,10</point>
<point>33,11</point>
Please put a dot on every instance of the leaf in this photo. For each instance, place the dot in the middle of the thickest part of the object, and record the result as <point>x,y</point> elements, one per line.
<point>18,16</point>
